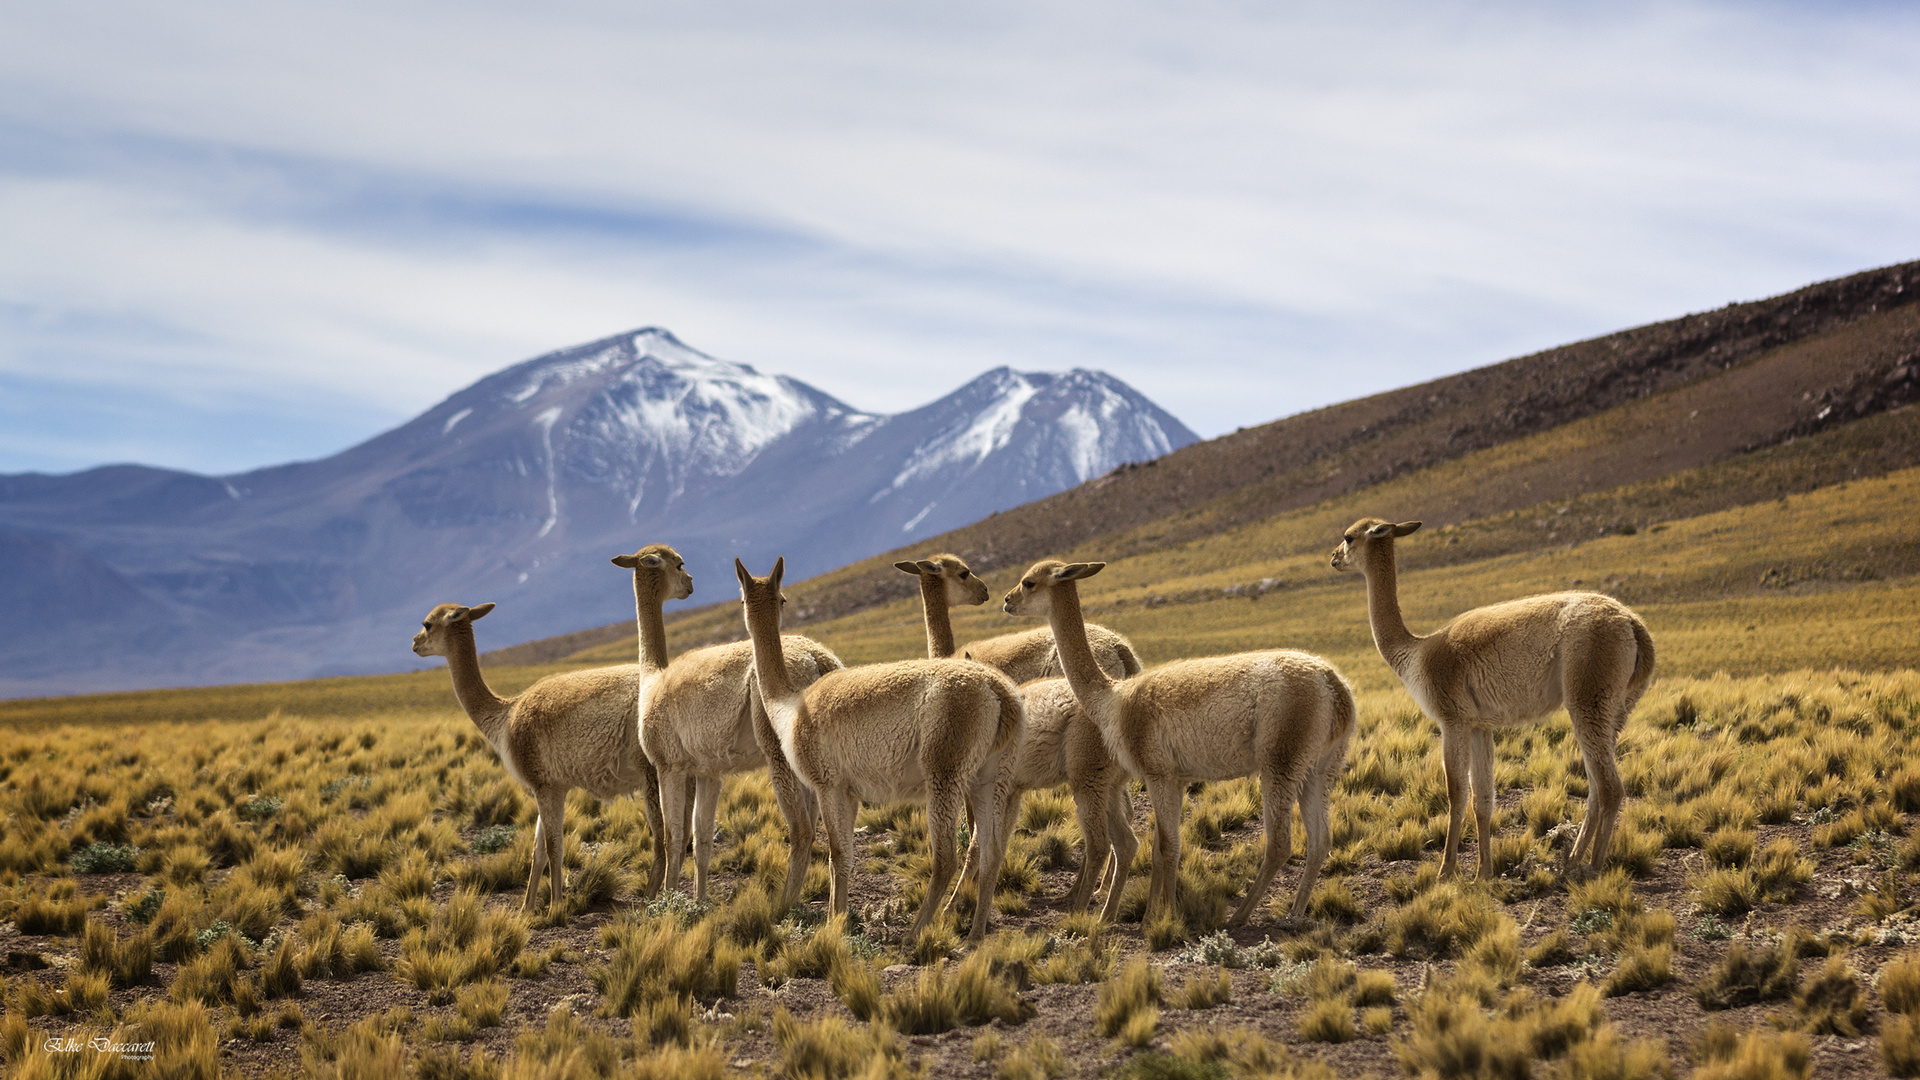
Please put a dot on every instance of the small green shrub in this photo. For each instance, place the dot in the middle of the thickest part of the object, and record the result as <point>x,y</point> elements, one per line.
<point>101,858</point>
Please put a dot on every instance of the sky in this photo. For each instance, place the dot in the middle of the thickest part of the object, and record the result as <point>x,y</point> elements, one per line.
<point>239,234</point>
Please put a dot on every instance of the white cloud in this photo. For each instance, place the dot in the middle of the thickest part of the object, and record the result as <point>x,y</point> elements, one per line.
<point>379,203</point>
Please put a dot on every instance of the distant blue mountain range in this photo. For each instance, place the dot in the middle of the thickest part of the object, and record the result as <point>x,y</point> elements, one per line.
<point>517,490</point>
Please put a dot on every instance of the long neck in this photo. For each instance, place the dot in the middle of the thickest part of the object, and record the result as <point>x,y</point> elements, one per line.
<point>769,657</point>
<point>1089,683</point>
<point>653,627</point>
<point>1390,633</point>
<point>933,602</point>
<point>486,709</point>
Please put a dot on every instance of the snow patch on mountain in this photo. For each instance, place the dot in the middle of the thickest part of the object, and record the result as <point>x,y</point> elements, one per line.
<point>970,441</point>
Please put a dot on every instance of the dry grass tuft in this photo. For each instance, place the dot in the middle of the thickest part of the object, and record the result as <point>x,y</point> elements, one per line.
<point>657,962</point>
<point>1645,968</point>
<point>975,994</point>
<point>1443,922</point>
<point>1205,990</point>
<point>216,978</point>
<point>1128,1004</point>
<point>1748,976</point>
<point>125,963</point>
<point>1900,1045</point>
<point>1039,1058</point>
<point>463,942</point>
<point>1329,1021</point>
<point>1832,1002</point>
<point>1754,1055</point>
<point>1899,984</point>
<point>828,1049</point>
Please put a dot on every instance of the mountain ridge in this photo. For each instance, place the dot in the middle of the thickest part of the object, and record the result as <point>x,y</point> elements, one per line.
<point>520,485</point>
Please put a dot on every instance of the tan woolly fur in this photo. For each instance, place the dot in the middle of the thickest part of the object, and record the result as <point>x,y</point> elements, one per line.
<point>944,729</point>
<point>1504,665</point>
<point>571,730</point>
<point>698,724</point>
<point>1281,715</point>
<point>1061,745</point>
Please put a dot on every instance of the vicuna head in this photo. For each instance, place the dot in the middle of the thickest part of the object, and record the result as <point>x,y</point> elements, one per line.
<point>1034,594</point>
<point>658,570</point>
<point>761,596</point>
<point>1364,536</point>
<point>949,573</point>
<point>445,619</point>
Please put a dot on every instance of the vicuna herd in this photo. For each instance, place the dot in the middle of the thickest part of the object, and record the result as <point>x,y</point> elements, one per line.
<point>1069,703</point>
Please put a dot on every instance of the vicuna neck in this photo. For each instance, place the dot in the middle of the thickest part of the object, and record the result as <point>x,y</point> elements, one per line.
<point>933,603</point>
<point>486,709</point>
<point>1390,633</point>
<point>647,605</point>
<point>770,661</point>
<point>1070,637</point>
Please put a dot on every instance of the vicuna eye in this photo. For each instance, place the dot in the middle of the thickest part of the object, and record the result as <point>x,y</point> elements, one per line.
<point>1028,585</point>
<point>964,575</point>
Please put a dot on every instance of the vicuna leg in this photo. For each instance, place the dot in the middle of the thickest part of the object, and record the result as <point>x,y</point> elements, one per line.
<point>1480,746</point>
<point>650,806</point>
<point>1120,838</point>
<point>1278,788</point>
<point>551,837</point>
<point>676,805</point>
<point>799,808</point>
<point>836,813</point>
<point>795,800</point>
<point>539,859</point>
<point>1454,755</point>
<point>1313,815</point>
<point>1596,672</point>
<point>706,800</point>
<point>943,808</point>
<point>1605,792</point>
<point>1090,807</point>
<point>1007,803</point>
<point>994,803</point>
<point>1168,796</point>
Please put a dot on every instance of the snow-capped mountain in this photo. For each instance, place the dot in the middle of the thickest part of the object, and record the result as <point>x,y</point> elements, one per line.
<point>518,489</point>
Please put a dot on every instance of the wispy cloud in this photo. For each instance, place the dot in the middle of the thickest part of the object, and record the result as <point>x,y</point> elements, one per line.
<point>300,223</point>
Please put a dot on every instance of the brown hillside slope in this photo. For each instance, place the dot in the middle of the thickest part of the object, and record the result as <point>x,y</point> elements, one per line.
<point>1865,362</point>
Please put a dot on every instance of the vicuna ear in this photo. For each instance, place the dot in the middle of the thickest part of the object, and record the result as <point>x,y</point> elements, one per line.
<point>1381,531</point>
<point>779,571</point>
<point>652,561</point>
<point>477,612</point>
<point>928,566</point>
<point>626,562</point>
<point>908,568</point>
<point>740,571</point>
<point>1405,528</point>
<point>1076,571</point>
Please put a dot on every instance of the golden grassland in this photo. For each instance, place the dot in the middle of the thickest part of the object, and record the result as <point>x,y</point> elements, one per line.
<point>200,881</point>
<point>322,878</point>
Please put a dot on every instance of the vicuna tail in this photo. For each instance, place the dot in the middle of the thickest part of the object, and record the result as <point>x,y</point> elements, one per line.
<point>1340,696</point>
<point>1013,715</point>
<point>1642,664</point>
<point>1129,663</point>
